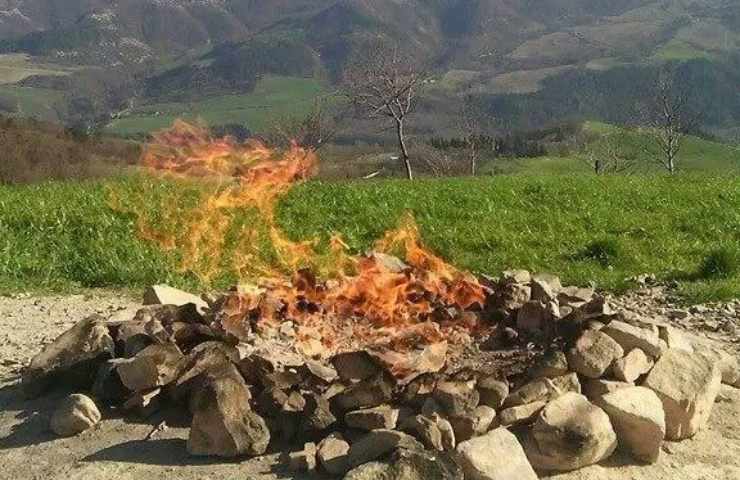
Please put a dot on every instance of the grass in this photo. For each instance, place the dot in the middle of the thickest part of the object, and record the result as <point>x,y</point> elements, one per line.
<point>15,67</point>
<point>32,102</point>
<point>64,236</point>
<point>274,96</point>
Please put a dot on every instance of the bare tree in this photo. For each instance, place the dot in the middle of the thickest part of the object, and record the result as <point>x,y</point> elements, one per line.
<point>384,83</point>
<point>474,123</point>
<point>668,118</point>
<point>312,131</point>
<point>607,154</point>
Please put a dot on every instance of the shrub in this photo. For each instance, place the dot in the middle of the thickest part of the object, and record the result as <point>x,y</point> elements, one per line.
<point>605,251</point>
<point>723,262</point>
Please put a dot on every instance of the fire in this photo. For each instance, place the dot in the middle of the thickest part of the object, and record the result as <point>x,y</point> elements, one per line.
<point>333,298</point>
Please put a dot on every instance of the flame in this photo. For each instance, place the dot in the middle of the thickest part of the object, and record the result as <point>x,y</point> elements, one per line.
<point>334,298</point>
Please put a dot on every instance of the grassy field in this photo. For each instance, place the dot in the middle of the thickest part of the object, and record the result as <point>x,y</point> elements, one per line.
<point>63,236</point>
<point>272,97</point>
<point>15,67</point>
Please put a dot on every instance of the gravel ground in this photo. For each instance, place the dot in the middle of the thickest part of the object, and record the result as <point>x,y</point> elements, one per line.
<point>119,448</point>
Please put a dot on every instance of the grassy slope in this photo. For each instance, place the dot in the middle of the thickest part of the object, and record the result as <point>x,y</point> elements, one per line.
<point>272,97</point>
<point>64,235</point>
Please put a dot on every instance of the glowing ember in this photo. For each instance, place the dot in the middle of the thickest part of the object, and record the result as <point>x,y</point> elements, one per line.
<point>334,298</point>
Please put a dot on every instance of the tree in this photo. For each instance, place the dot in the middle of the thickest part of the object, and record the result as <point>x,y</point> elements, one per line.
<point>475,125</point>
<point>384,83</point>
<point>312,131</point>
<point>607,153</point>
<point>668,118</point>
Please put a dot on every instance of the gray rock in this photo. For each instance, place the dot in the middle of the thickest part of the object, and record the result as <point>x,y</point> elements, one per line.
<point>688,386</point>
<point>166,295</point>
<point>494,456</point>
<point>535,317</point>
<point>155,366</point>
<point>553,364</point>
<point>594,388</point>
<point>457,398</point>
<point>378,443</point>
<point>368,419</point>
<point>426,430</point>
<point>593,353</point>
<point>472,424</point>
<point>521,414</point>
<point>545,288</point>
<point>408,465</point>
<point>544,389</point>
<point>370,392</point>
<point>632,366</point>
<point>727,364</point>
<point>630,337</point>
<point>303,460</point>
<point>355,366</point>
<point>72,359</point>
<point>492,392</point>
<point>75,414</point>
<point>637,415</point>
<point>570,433</point>
<point>675,339</point>
<point>333,454</point>
<point>223,424</point>
<point>317,415</point>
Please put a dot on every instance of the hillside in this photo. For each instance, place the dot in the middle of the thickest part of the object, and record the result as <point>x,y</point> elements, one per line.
<point>508,52</point>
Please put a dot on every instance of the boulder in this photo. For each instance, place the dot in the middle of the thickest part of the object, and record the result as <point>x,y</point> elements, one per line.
<point>333,454</point>
<point>303,460</point>
<point>72,359</point>
<point>630,337</point>
<point>593,353</point>
<point>492,392</point>
<point>545,288</point>
<point>472,424</point>
<point>728,364</point>
<point>632,366</point>
<point>223,424</point>
<point>552,364</point>
<point>368,419</point>
<point>570,433</point>
<point>675,339</point>
<point>543,389</point>
<point>522,414</point>
<point>511,296</point>
<point>193,368</point>
<point>688,386</point>
<point>166,295</point>
<point>575,297</point>
<point>75,414</point>
<point>370,392</point>
<point>594,388</point>
<point>107,387</point>
<point>457,398</point>
<point>378,443</point>
<point>636,413</point>
<point>155,366</point>
<point>426,430</point>
<point>494,456</point>
<point>407,464</point>
<point>317,415</point>
<point>534,317</point>
<point>355,366</point>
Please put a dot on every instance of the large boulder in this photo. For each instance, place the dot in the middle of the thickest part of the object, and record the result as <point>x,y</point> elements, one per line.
<point>492,392</point>
<point>729,366</point>
<point>632,366</point>
<point>368,419</point>
<point>570,433</point>
<point>474,423</point>
<point>638,418</point>
<point>371,392</point>
<point>593,353</point>
<point>333,454</point>
<point>155,366</point>
<point>631,337</point>
<point>72,359</point>
<point>494,456</point>
<point>457,398</point>
<point>166,295</point>
<point>407,464</point>
<point>223,424</point>
<point>378,443</point>
<point>75,414</point>
<point>687,385</point>
<point>543,389</point>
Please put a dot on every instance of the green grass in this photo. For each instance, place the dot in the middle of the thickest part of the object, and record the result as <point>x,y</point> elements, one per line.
<point>15,67</point>
<point>32,102</point>
<point>273,97</point>
<point>64,235</point>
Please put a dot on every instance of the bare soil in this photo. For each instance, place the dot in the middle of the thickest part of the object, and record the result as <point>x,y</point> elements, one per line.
<point>125,448</point>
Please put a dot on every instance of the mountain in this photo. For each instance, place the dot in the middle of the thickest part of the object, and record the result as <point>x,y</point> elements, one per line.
<point>180,49</point>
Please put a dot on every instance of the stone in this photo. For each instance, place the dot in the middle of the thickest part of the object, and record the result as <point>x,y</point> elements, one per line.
<point>545,289</point>
<point>407,464</point>
<point>368,419</point>
<point>596,308</point>
<point>270,401</point>
<point>193,368</point>
<point>516,276</point>
<point>728,364</point>
<point>511,296</point>
<point>166,295</point>
<point>492,392</point>
<point>630,337</point>
<point>521,414</point>
<point>426,430</point>
<point>333,454</point>
<point>637,415</point>
<point>472,424</point>
<point>72,359</point>
<point>155,366</point>
<point>223,424</point>
<point>75,414</point>
<point>594,388</point>
<point>303,460</point>
<point>498,455</point>
<point>534,317</point>
<point>107,387</point>
<point>370,392</point>
<point>593,353</point>
<point>688,386</point>
<point>355,366</point>
<point>632,366</point>
<point>457,398</point>
<point>552,364</point>
<point>570,433</point>
<point>378,443</point>
<point>543,389</point>
<point>317,415</point>
<point>675,339</point>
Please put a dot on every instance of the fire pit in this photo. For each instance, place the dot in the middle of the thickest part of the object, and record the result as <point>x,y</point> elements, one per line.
<point>373,365</point>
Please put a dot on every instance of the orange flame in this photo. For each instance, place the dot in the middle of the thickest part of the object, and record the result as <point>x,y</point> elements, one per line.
<point>386,301</point>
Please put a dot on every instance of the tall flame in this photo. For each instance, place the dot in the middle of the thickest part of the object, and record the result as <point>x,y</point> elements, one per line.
<point>386,302</point>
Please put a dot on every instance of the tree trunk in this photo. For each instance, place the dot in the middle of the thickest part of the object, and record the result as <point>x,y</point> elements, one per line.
<point>404,151</point>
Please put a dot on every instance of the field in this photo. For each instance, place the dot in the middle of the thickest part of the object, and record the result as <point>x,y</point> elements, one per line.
<point>64,236</point>
<point>273,97</point>
<point>16,67</point>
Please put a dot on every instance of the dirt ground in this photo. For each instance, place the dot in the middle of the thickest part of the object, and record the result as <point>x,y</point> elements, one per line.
<point>123,448</point>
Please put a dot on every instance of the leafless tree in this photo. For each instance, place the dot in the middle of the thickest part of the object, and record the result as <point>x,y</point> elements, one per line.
<point>607,154</point>
<point>668,118</point>
<point>384,82</point>
<point>474,123</point>
<point>312,131</point>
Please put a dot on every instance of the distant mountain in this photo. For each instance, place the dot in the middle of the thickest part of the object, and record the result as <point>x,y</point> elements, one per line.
<point>488,47</point>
